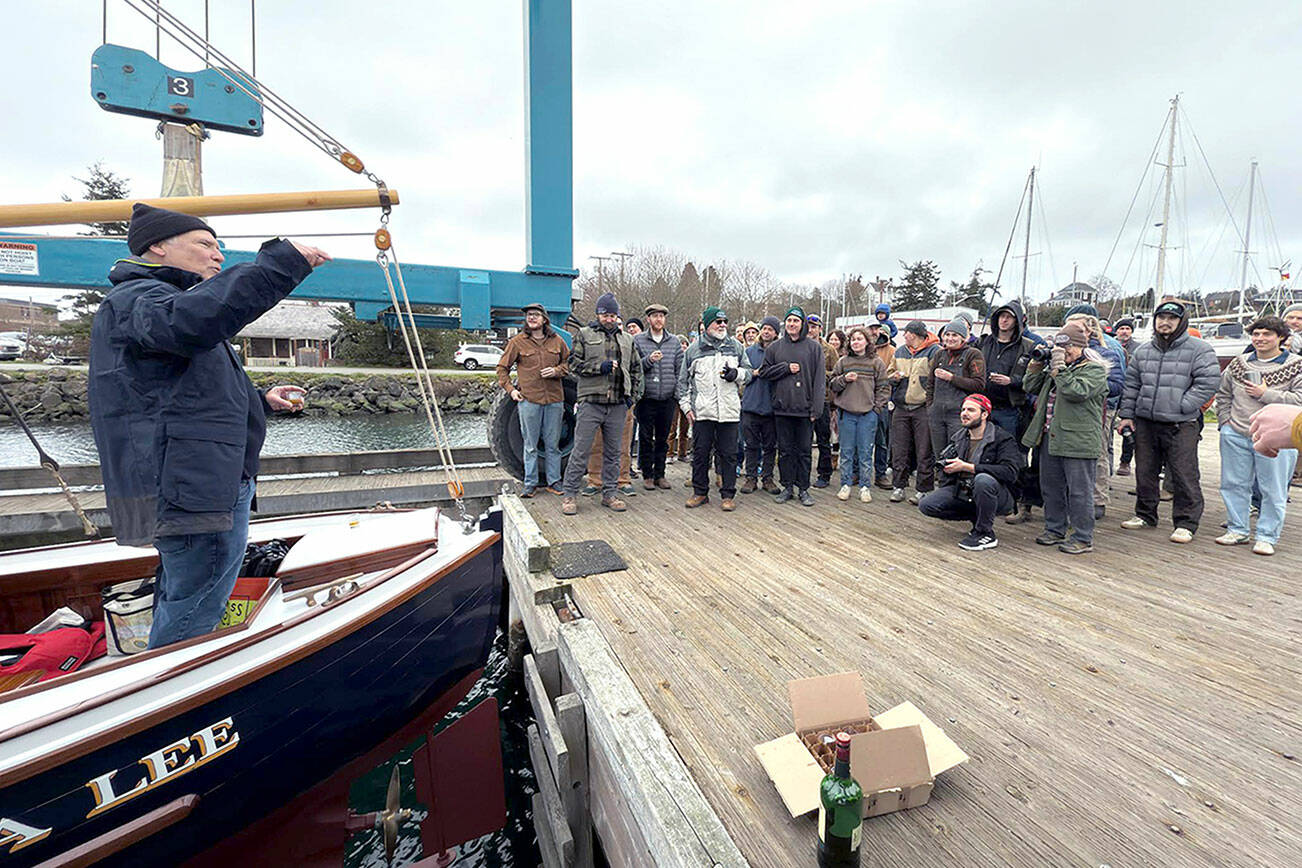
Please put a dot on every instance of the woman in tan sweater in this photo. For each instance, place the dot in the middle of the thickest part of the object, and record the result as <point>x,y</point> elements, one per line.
<point>860,390</point>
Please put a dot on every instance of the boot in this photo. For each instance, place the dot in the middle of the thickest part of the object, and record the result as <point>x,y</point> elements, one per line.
<point>1020,517</point>
<point>697,500</point>
<point>748,485</point>
<point>663,483</point>
<point>770,486</point>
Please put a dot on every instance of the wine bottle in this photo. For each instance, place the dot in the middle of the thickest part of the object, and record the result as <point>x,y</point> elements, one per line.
<point>840,812</point>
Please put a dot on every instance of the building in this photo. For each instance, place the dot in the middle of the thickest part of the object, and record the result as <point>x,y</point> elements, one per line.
<point>935,318</point>
<point>21,315</point>
<point>291,333</point>
<point>1073,294</point>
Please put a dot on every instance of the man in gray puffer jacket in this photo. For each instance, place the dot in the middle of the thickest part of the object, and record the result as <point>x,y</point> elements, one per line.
<point>1168,382</point>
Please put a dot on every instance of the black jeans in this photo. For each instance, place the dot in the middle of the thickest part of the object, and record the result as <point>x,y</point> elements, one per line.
<point>911,439</point>
<point>720,438</point>
<point>823,434</point>
<point>654,417</point>
<point>761,436</point>
<point>1173,445</point>
<point>989,499</point>
<point>794,450</point>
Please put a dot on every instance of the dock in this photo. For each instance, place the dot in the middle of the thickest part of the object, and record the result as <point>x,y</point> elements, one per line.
<point>32,514</point>
<point>1141,705</point>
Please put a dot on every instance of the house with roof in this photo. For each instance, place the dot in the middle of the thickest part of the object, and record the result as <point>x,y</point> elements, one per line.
<point>1073,294</point>
<point>27,316</point>
<point>291,333</point>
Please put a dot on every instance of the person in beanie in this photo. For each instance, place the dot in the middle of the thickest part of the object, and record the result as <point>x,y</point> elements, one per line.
<point>757,426</point>
<point>609,376</point>
<point>538,354</point>
<point>881,344</point>
<point>795,366</point>
<point>957,370</point>
<point>1172,377</point>
<point>1266,374</point>
<point>662,355</point>
<point>979,466</point>
<point>1124,332</point>
<point>860,391</point>
<point>177,423</point>
<point>910,429</point>
<point>823,424</point>
<point>1069,415</point>
<point>709,393</point>
<point>1293,319</point>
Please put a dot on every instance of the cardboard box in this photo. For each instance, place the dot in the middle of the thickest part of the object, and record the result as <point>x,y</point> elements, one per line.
<point>894,756</point>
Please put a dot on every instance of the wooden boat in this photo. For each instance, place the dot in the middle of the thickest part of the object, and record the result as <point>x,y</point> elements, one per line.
<point>242,744</point>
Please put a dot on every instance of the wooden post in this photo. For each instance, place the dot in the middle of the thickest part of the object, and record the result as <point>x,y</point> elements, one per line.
<point>182,160</point>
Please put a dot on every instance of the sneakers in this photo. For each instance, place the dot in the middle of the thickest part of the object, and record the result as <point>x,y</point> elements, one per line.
<point>822,482</point>
<point>1182,535</point>
<point>1123,470</point>
<point>784,495</point>
<point>663,483</point>
<point>529,491</point>
<point>614,504</point>
<point>697,500</point>
<point>569,506</point>
<point>975,542</point>
<point>844,493</point>
<point>1230,538</point>
<point>1136,523</point>
<point>728,504</point>
<point>1263,548</point>
<point>916,497</point>
<point>554,488</point>
<point>865,494</point>
<point>897,495</point>
<point>1075,547</point>
<point>648,483</point>
<point>770,486</point>
<point>627,490</point>
<point>1049,538</point>
<point>1022,516</point>
<point>589,490</point>
<point>883,482</point>
<point>805,499</point>
<point>749,485</point>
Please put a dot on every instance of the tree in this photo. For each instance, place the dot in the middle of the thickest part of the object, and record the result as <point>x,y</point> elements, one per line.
<point>918,288</point>
<point>100,184</point>
<point>370,344</point>
<point>1108,289</point>
<point>975,293</point>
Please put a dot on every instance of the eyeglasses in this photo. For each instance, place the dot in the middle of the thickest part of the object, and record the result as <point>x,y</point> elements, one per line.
<point>720,320</point>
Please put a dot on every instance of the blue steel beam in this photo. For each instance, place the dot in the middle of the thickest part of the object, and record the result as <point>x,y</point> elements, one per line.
<point>549,138</point>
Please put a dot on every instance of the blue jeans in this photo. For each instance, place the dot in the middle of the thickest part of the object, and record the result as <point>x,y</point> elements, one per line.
<point>1240,465</point>
<point>882,443</point>
<point>196,573</point>
<point>858,433</point>
<point>541,420</point>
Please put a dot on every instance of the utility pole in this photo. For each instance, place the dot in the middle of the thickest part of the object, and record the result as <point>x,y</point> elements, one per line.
<point>622,258</point>
<point>1166,203</point>
<point>600,261</point>
<point>1247,241</point>
<point>1026,250</point>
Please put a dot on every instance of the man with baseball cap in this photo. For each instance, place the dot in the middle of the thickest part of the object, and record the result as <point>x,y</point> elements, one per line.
<point>979,467</point>
<point>662,354</point>
<point>177,423</point>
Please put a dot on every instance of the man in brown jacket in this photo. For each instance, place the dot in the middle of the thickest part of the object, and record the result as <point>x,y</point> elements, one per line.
<point>539,356</point>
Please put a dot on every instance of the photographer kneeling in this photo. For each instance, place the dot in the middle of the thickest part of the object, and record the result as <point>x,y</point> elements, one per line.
<point>977,470</point>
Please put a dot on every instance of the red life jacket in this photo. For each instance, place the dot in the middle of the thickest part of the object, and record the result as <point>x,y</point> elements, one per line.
<point>47,655</point>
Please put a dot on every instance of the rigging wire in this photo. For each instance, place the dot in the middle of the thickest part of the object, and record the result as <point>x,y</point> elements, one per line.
<point>1012,233</point>
<point>1044,228</point>
<point>1133,199</point>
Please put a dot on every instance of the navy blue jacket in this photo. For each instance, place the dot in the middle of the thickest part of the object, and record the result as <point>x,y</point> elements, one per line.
<point>177,422</point>
<point>758,396</point>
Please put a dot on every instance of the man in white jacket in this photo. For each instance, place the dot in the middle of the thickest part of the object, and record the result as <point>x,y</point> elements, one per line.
<point>709,393</point>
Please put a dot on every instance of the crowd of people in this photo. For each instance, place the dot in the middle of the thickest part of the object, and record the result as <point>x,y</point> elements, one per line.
<point>979,427</point>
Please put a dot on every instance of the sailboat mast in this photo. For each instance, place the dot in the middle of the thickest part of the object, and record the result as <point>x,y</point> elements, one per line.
<point>1166,202</point>
<point>1247,241</point>
<point>1026,250</point>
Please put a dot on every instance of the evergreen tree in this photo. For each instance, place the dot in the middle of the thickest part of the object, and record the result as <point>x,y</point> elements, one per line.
<point>974,293</point>
<point>918,289</point>
<point>100,184</point>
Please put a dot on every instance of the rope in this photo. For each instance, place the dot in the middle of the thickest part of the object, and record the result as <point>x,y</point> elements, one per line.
<point>86,524</point>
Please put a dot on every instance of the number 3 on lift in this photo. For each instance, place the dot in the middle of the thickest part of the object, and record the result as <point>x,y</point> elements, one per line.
<point>179,85</point>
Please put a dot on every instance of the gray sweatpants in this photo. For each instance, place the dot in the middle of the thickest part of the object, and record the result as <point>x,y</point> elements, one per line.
<point>588,417</point>
<point>1067,485</point>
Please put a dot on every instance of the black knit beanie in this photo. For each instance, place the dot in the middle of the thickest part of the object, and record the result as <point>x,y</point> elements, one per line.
<point>150,225</point>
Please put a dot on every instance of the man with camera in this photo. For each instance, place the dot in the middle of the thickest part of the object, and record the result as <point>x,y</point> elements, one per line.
<point>977,469</point>
<point>1069,421</point>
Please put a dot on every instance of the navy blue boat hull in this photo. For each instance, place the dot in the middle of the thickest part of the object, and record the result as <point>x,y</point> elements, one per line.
<point>289,729</point>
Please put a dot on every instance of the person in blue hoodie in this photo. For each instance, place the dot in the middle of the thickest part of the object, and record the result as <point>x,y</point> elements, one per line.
<point>759,431</point>
<point>177,423</point>
<point>883,315</point>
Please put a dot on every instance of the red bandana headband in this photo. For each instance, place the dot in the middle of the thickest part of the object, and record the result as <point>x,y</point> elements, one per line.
<point>981,401</point>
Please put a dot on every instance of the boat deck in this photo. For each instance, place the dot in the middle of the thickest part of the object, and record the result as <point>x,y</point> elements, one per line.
<point>1141,705</point>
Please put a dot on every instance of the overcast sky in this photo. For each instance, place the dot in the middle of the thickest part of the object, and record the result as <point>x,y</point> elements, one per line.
<point>814,139</point>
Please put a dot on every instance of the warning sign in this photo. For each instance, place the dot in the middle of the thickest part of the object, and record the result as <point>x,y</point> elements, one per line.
<point>18,258</point>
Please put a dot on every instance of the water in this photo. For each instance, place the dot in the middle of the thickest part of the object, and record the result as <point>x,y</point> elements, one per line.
<point>72,443</point>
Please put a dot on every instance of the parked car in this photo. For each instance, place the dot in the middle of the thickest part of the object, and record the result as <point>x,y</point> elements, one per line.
<point>11,348</point>
<point>472,356</point>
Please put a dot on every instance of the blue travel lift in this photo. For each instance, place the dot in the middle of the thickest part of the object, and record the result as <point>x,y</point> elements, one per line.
<point>129,81</point>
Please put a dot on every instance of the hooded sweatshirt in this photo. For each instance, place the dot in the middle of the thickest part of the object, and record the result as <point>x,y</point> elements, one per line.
<point>915,368</point>
<point>799,394</point>
<point>1008,358</point>
<point>757,397</point>
<point>888,322</point>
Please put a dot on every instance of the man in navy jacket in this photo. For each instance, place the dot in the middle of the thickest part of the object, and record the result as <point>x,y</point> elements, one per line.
<point>177,422</point>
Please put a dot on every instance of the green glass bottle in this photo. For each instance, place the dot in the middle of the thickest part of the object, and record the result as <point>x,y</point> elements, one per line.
<point>840,812</point>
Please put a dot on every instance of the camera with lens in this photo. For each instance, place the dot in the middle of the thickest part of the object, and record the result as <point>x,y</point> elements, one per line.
<point>1041,353</point>
<point>962,481</point>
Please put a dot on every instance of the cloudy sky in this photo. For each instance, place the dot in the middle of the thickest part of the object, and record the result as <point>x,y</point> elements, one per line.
<point>814,139</point>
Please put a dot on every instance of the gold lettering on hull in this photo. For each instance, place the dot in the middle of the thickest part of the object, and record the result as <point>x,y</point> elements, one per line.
<point>18,835</point>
